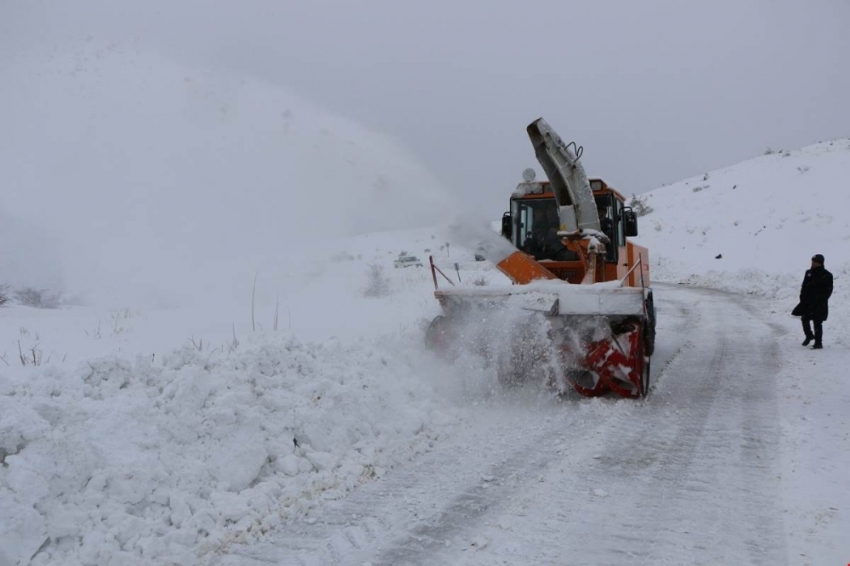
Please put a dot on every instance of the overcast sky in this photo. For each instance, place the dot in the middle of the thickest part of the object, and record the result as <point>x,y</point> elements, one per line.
<point>654,90</point>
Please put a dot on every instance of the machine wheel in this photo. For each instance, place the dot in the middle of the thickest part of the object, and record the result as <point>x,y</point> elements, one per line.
<point>649,327</point>
<point>437,337</point>
<point>644,376</point>
<point>648,341</point>
<point>518,365</point>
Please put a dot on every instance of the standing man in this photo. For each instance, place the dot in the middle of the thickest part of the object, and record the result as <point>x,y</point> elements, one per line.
<point>814,297</point>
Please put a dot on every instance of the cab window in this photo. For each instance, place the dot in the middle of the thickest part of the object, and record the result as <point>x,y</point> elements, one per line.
<point>532,217</point>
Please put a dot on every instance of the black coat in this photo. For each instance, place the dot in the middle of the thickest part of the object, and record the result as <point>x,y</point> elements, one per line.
<point>814,294</point>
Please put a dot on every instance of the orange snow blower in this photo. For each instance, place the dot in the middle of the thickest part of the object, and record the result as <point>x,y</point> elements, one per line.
<point>580,311</point>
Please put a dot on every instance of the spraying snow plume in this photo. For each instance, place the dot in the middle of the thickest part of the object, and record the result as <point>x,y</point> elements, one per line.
<point>478,234</point>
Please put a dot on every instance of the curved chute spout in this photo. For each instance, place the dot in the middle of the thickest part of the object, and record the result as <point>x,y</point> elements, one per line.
<point>577,208</point>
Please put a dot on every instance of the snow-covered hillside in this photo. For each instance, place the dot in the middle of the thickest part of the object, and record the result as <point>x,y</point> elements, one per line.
<point>753,227</point>
<point>129,173</point>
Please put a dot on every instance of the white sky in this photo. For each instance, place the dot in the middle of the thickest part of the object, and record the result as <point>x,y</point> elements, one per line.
<point>655,90</point>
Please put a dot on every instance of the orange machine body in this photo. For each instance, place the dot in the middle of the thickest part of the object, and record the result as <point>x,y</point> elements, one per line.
<point>618,263</point>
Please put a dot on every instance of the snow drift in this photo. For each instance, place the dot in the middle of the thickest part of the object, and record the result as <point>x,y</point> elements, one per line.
<point>154,461</point>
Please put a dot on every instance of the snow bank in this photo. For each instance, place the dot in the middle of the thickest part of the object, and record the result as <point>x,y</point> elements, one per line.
<point>162,461</point>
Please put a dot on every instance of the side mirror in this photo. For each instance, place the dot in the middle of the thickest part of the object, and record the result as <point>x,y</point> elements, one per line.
<point>506,225</point>
<point>630,225</point>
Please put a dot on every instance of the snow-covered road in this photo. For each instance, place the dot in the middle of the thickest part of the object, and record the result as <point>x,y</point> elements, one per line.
<point>688,476</point>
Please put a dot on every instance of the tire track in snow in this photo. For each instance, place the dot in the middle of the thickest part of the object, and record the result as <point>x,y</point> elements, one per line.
<point>418,507</point>
<point>423,545</point>
<point>682,477</point>
<point>431,537</point>
<point>459,504</point>
<point>690,477</point>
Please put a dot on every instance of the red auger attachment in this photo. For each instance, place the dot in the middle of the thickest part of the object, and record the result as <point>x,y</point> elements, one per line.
<point>618,364</point>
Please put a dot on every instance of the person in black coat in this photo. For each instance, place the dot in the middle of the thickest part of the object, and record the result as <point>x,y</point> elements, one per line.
<point>814,301</point>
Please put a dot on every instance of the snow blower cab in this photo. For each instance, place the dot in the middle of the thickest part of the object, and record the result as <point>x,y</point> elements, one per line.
<point>582,287</point>
<point>533,226</point>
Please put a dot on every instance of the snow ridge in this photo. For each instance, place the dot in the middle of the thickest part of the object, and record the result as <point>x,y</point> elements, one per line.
<point>148,461</point>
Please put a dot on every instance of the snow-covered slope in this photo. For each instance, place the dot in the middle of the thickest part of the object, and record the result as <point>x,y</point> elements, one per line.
<point>742,226</point>
<point>144,175</point>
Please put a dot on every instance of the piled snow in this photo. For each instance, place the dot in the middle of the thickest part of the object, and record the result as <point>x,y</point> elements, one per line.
<point>143,461</point>
<point>120,449</point>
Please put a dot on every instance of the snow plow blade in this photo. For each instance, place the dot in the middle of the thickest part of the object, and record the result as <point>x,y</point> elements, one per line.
<point>555,298</point>
<point>591,338</point>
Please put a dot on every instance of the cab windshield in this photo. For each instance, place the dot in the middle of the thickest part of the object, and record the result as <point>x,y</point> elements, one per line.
<point>536,223</point>
<point>535,229</point>
<point>533,219</point>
